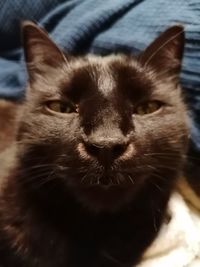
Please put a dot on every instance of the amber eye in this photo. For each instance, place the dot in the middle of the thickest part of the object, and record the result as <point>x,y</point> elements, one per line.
<point>147,108</point>
<point>61,107</point>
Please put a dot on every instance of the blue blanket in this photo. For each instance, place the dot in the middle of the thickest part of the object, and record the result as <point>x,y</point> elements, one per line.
<point>102,27</point>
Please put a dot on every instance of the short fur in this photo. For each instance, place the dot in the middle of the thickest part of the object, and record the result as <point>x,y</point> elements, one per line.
<point>90,188</point>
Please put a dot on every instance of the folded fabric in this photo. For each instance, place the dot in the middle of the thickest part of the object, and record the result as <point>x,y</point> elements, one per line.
<point>102,27</point>
<point>178,243</point>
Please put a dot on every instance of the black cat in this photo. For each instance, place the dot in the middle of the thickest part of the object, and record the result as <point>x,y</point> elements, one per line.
<point>100,142</point>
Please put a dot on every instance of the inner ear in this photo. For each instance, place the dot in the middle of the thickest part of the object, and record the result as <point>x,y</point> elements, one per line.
<point>41,53</point>
<point>165,53</point>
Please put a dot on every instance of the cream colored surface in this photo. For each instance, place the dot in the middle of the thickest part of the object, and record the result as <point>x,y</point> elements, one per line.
<point>178,243</point>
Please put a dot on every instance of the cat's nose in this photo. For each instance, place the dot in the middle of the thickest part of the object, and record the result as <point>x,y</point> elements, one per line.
<point>106,150</point>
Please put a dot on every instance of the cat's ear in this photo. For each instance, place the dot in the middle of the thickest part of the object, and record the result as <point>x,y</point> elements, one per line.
<point>41,53</point>
<point>165,53</point>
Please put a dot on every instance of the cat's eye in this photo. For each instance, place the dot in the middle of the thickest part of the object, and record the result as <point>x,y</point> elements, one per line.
<point>147,108</point>
<point>61,107</point>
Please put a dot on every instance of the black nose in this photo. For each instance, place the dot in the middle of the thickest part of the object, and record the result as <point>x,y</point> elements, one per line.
<point>106,151</point>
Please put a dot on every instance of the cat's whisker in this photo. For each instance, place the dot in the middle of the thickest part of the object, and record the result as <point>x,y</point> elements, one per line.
<point>34,172</point>
<point>111,181</point>
<point>34,178</point>
<point>163,153</point>
<point>159,176</point>
<point>39,167</point>
<point>91,180</point>
<point>111,258</point>
<point>161,47</point>
<point>157,186</point>
<point>42,178</point>
<point>172,155</point>
<point>117,179</point>
<point>97,180</point>
<point>166,167</point>
<point>47,179</point>
<point>130,179</point>
<point>85,176</point>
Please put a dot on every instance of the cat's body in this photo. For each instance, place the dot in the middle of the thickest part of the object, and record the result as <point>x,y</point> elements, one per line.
<point>92,175</point>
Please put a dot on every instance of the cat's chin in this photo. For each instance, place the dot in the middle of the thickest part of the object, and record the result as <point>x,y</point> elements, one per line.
<point>106,191</point>
<point>105,198</point>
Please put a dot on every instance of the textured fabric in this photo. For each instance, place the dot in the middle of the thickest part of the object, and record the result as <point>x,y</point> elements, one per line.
<point>178,243</point>
<point>102,27</point>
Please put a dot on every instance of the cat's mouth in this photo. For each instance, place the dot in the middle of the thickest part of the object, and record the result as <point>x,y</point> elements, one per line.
<point>110,180</point>
<point>103,187</point>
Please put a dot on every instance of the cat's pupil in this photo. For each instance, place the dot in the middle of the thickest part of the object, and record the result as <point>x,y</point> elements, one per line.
<point>64,108</point>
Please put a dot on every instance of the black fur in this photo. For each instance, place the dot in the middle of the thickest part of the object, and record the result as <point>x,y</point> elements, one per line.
<point>90,188</point>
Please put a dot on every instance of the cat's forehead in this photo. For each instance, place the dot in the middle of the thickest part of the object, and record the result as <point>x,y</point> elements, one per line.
<point>106,74</point>
<point>107,63</point>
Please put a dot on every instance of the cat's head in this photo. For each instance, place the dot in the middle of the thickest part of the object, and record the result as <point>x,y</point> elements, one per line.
<point>102,126</point>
